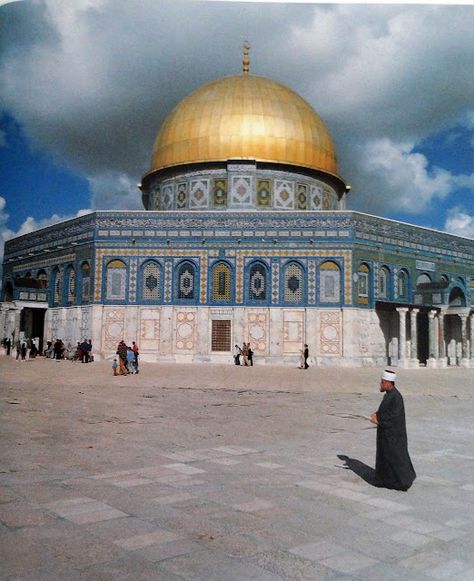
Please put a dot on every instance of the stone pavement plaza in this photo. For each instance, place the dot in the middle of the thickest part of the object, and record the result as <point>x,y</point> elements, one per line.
<point>225,473</point>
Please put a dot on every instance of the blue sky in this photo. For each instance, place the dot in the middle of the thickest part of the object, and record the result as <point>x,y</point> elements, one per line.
<point>86,84</point>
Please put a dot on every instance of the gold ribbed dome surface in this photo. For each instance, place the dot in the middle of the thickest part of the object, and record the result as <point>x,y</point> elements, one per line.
<point>244,117</point>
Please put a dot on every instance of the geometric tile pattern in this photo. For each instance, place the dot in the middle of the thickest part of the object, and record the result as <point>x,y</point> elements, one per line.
<point>275,282</point>
<point>284,194</point>
<point>219,191</point>
<point>113,329</point>
<point>241,191</point>
<point>168,273</point>
<point>132,290</point>
<point>311,282</point>
<point>316,198</point>
<point>182,196</point>
<point>343,256</point>
<point>301,196</point>
<point>199,194</point>
<point>330,333</point>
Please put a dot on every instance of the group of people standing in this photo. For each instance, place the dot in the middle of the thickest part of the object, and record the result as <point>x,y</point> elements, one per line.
<point>243,355</point>
<point>127,361</point>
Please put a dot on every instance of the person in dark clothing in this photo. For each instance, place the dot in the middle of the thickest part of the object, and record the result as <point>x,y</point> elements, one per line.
<point>23,351</point>
<point>122,350</point>
<point>85,348</point>
<point>393,467</point>
<point>250,355</point>
<point>305,356</point>
<point>58,349</point>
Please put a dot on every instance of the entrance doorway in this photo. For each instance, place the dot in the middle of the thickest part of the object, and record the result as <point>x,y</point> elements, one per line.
<point>32,324</point>
<point>423,337</point>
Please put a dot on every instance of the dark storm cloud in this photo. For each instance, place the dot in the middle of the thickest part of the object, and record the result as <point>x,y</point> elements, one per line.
<point>92,80</point>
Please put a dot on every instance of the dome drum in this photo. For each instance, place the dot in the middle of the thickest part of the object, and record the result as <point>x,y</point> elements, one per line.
<point>242,185</point>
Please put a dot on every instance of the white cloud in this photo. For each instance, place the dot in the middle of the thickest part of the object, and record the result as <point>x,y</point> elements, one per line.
<point>460,222</point>
<point>29,225</point>
<point>394,177</point>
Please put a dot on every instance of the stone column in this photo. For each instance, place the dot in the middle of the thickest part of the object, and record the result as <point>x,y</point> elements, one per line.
<point>472,338</point>
<point>464,344</point>
<point>432,339</point>
<point>442,358</point>
<point>414,338</point>
<point>402,343</point>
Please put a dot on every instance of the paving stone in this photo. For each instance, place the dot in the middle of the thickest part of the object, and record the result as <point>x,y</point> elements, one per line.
<point>411,539</point>
<point>147,539</point>
<point>451,569</point>
<point>254,505</point>
<point>185,469</point>
<point>349,562</point>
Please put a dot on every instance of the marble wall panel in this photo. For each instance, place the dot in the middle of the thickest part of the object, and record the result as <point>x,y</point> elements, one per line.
<point>113,328</point>
<point>257,331</point>
<point>293,331</point>
<point>149,330</point>
<point>185,330</point>
<point>330,333</point>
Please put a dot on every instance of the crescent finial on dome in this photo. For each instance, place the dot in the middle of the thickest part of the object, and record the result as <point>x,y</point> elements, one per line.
<point>246,61</point>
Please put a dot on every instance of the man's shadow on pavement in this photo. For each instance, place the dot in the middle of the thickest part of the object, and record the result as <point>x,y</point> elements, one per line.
<point>362,470</point>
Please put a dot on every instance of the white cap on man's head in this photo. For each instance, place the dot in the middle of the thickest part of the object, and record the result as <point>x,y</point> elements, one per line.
<point>389,375</point>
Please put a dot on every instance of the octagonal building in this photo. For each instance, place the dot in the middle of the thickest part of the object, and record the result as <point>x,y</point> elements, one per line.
<point>244,236</point>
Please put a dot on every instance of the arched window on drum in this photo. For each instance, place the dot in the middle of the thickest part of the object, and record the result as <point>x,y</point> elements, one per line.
<point>329,283</point>
<point>258,291</point>
<point>221,283</point>
<point>151,280</point>
<point>294,291</point>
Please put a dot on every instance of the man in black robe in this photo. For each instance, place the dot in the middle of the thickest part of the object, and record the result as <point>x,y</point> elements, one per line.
<point>393,466</point>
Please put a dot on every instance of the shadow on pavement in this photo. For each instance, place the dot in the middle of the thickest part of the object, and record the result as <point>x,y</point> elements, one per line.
<point>362,470</point>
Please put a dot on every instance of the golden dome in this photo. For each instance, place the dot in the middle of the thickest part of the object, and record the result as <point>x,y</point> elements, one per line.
<point>244,117</point>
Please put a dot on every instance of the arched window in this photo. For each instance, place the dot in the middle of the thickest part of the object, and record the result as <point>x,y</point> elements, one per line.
<point>187,281</point>
<point>71,285</point>
<point>402,284</point>
<point>151,281</point>
<point>258,286</point>
<point>221,283</point>
<point>383,282</point>
<point>294,283</point>
<point>86,282</point>
<point>423,279</point>
<point>116,278</point>
<point>57,287</point>
<point>42,277</point>
<point>329,282</point>
<point>363,284</point>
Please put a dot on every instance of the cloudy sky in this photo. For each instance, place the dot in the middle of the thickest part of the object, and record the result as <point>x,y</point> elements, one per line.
<point>85,85</point>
